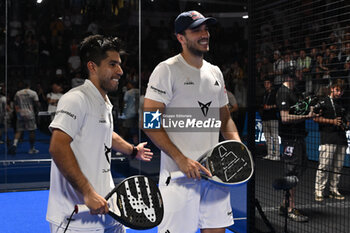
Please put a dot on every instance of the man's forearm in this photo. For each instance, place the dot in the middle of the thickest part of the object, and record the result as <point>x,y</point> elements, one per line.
<point>228,127</point>
<point>119,144</point>
<point>161,139</point>
<point>68,165</point>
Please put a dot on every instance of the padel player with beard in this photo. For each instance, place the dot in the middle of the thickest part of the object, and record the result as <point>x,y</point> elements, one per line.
<point>82,142</point>
<point>188,81</point>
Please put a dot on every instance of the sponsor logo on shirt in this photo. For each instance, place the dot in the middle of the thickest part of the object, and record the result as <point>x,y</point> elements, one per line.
<point>67,113</point>
<point>188,82</point>
<point>158,90</point>
<point>204,107</point>
<point>216,83</point>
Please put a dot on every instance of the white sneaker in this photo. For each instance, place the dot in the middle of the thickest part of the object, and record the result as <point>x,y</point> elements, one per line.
<point>336,195</point>
<point>33,151</point>
<point>272,157</point>
<point>319,196</point>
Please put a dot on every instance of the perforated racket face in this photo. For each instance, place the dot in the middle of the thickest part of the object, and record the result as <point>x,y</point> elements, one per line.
<point>139,202</point>
<point>230,162</point>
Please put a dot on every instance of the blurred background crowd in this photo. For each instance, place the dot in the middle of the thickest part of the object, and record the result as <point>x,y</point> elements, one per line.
<point>43,40</point>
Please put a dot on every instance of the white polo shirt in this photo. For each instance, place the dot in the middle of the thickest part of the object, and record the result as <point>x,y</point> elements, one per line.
<point>83,114</point>
<point>180,87</point>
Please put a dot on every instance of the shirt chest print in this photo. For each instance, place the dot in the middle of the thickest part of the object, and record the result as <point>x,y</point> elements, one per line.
<point>188,82</point>
<point>102,119</point>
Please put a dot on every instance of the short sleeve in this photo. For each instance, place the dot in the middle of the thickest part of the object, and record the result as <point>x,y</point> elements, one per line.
<point>159,86</point>
<point>36,97</point>
<point>70,114</point>
<point>223,99</point>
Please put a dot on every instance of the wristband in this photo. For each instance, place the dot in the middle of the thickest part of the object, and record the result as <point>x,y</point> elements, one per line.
<point>134,152</point>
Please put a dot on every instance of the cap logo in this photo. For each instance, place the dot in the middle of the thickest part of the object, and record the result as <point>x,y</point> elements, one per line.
<point>196,15</point>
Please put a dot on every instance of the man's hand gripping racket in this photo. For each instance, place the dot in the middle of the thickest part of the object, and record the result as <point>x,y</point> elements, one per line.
<point>137,203</point>
<point>229,162</point>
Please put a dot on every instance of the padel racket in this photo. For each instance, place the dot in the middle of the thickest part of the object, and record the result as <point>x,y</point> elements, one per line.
<point>229,162</point>
<point>138,203</point>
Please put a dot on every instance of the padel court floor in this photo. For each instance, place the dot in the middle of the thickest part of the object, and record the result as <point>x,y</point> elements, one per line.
<point>24,212</point>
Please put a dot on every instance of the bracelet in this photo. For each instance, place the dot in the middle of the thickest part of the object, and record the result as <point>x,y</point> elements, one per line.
<point>134,152</point>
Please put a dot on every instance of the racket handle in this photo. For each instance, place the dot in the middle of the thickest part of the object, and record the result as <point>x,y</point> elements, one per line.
<point>174,176</point>
<point>81,208</point>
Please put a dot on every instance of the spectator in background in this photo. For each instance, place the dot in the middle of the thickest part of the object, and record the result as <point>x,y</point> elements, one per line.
<point>345,62</point>
<point>2,112</point>
<point>289,61</point>
<point>42,96</point>
<point>16,48</point>
<point>59,53</point>
<point>322,74</point>
<point>26,104</point>
<point>15,26</point>
<point>235,75</point>
<point>332,126</point>
<point>266,68</point>
<point>93,28</point>
<point>61,79</point>
<point>77,80</point>
<point>44,52</point>
<point>315,81</point>
<point>56,28</point>
<point>334,63</point>
<point>73,62</point>
<point>240,92</point>
<point>270,121</point>
<point>29,25</point>
<point>53,97</point>
<point>131,108</point>
<point>303,71</point>
<point>232,104</point>
<point>278,66</point>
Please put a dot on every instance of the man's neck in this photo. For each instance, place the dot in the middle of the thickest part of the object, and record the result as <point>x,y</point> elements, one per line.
<point>95,82</point>
<point>192,60</point>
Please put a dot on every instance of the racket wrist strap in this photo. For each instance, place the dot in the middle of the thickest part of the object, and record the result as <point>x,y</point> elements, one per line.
<point>134,152</point>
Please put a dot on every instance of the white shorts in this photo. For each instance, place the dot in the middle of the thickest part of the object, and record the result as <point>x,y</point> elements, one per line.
<point>192,205</point>
<point>57,229</point>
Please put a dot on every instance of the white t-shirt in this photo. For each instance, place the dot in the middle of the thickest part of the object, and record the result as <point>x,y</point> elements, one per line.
<point>182,88</point>
<point>83,114</point>
<point>53,96</point>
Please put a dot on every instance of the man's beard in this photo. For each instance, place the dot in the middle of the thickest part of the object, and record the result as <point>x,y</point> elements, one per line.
<point>196,52</point>
<point>105,85</point>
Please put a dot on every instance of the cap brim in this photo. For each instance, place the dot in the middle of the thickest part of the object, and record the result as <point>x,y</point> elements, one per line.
<point>207,21</point>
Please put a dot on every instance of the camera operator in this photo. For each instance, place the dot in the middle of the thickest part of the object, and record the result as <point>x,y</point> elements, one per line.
<point>332,126</point>
<point>292,132</point>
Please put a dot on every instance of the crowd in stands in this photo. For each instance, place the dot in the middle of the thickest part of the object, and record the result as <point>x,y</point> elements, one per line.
<point>43,49</point>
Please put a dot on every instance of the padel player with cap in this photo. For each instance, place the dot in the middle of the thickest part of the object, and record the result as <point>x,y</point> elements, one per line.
<point>82,141</point>
<point>187,81</point>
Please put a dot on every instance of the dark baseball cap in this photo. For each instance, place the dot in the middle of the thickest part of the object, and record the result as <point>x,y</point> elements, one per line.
<point>191,19</point>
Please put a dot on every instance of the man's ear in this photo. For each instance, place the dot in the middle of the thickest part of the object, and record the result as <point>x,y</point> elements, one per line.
<point>180,38</point>
<point>91,66</point>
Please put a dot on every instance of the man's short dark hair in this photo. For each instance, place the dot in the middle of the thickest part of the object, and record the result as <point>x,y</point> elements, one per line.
<point>289,72</point>
<point>94,48</point>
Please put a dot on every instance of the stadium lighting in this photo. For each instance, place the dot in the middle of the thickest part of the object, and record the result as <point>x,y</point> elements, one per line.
<point>245,16</point>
